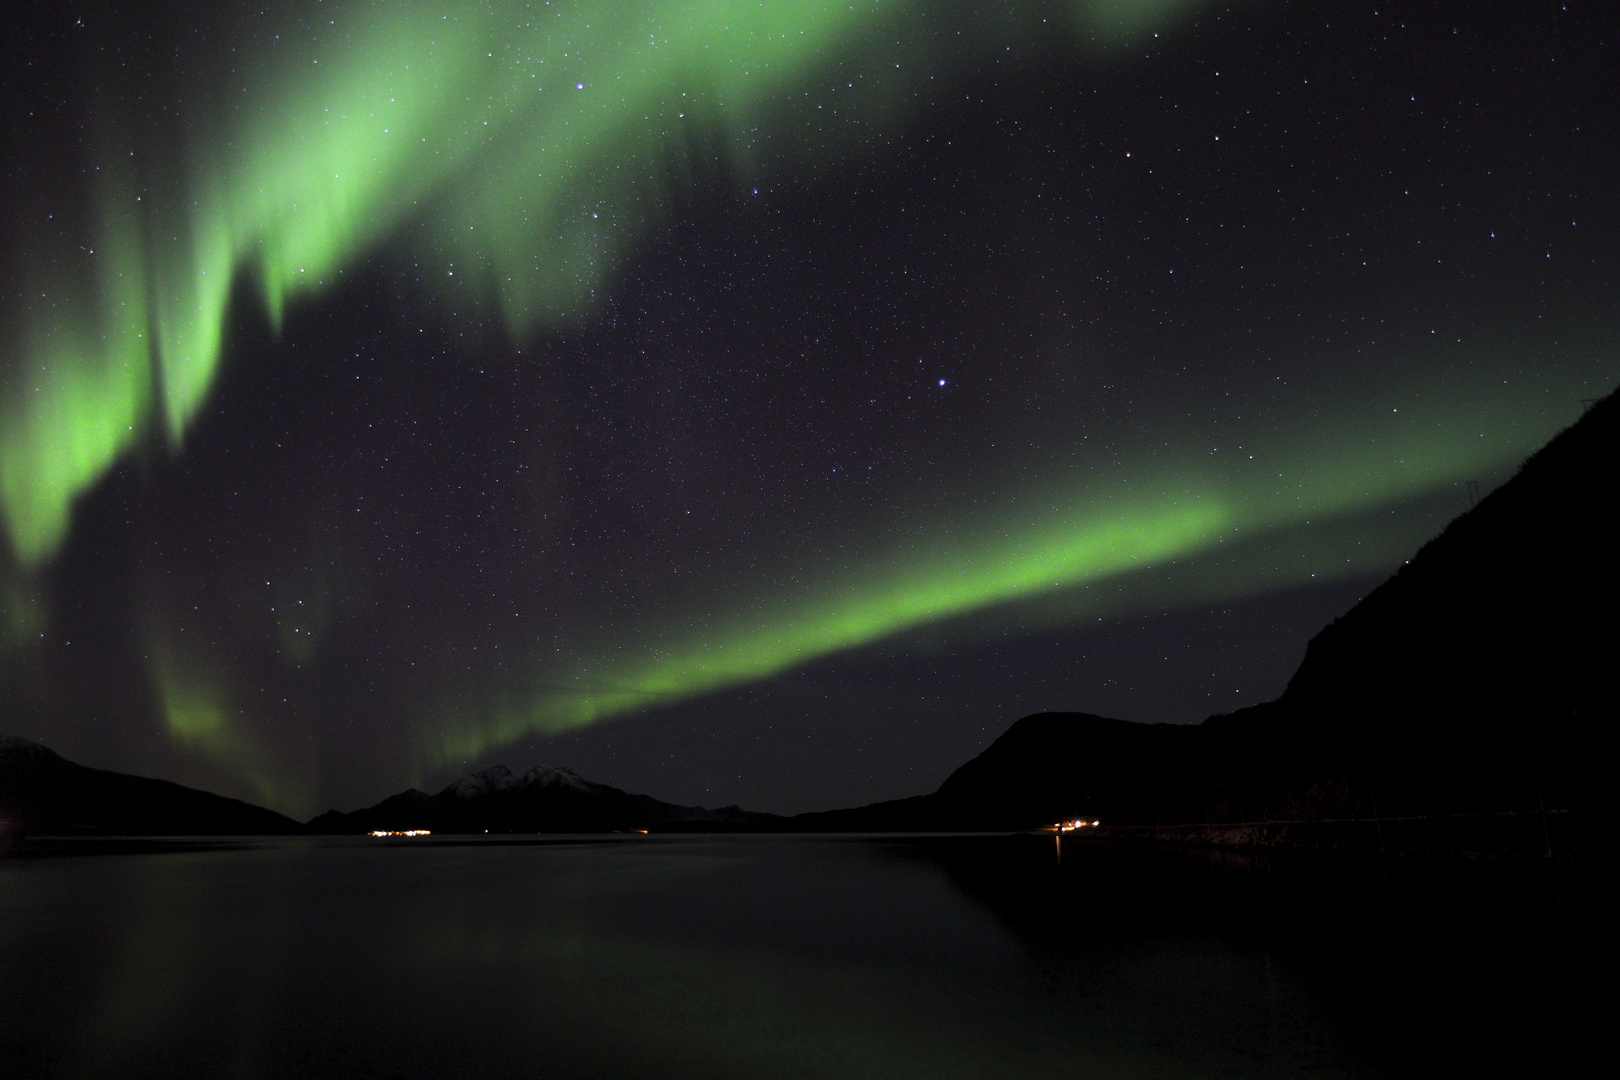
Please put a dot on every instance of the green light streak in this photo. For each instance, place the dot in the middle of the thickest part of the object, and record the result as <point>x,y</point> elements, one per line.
<point>79,402</point>
<point>524,146</point>
<point>1301,492</point>
<point>785,631</point>
<point>198,716</point>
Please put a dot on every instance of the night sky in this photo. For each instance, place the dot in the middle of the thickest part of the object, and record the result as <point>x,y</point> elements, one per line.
<point>759,404</point>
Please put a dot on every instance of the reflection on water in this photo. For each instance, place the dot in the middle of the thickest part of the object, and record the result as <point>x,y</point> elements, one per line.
<point>784,957</point>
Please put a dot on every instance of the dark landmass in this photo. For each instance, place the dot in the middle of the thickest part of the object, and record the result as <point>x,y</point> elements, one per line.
<point>42,793</point>
<point>545,799</point>
<point>1468,704</point>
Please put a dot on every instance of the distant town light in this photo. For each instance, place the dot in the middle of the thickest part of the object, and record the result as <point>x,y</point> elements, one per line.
<point>400,832</point>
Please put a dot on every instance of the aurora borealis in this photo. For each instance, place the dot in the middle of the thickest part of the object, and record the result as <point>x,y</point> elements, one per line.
<point>754,403</point>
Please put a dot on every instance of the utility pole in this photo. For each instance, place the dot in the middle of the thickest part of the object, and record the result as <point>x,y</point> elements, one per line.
<point>1473,494</point>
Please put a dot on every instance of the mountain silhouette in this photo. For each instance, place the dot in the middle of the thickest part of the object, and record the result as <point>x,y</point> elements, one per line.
<point>1468,703</point>
<point>545,799</point>
<point>43,793</point>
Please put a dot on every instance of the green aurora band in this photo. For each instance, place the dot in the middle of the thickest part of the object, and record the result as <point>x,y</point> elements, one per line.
<point>520,147</point>
<point>1318,487</point>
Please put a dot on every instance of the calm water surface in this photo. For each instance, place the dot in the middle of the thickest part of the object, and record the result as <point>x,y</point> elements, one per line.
<point>789,957</point>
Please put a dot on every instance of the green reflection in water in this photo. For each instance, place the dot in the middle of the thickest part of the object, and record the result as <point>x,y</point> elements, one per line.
<point>777,958</point>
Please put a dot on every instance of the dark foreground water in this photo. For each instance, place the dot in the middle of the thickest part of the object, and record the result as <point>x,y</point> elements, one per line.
<point>790,957</point>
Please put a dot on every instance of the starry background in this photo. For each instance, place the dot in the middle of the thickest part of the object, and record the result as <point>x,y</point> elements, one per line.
<point>978,360</point>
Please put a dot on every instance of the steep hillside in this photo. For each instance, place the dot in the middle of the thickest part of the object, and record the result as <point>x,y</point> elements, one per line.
<point>42,793</point>
<point>1469,702</point>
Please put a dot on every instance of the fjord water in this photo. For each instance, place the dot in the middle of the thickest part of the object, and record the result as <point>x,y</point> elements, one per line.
<point>786,957</point>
